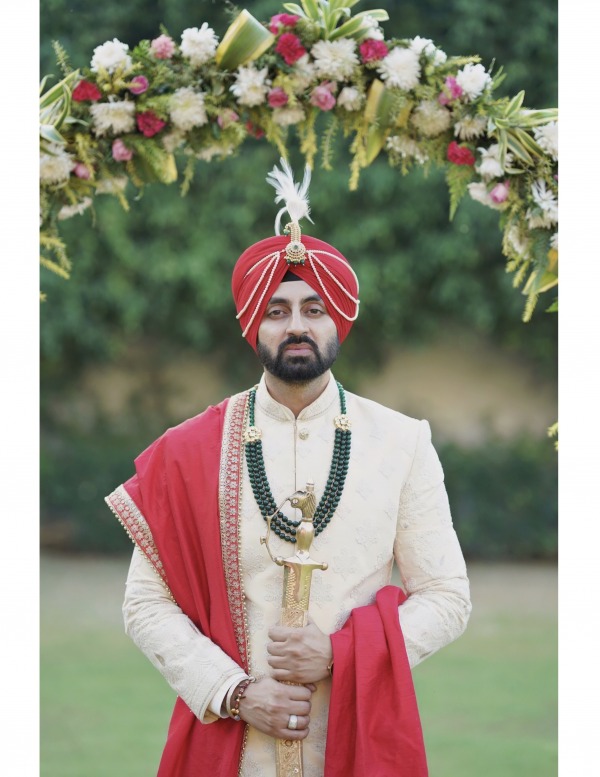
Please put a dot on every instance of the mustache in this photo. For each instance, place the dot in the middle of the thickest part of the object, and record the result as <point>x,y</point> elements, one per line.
<point>298,340</point>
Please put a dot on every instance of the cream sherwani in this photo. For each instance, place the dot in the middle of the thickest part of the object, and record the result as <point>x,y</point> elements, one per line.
<point>393,508</point>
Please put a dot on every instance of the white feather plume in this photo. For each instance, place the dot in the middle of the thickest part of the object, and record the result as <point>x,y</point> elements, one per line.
<point>294,195</point>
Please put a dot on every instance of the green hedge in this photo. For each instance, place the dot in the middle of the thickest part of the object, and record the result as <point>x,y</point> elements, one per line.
<point>503,495</point>
<point>504,499</point>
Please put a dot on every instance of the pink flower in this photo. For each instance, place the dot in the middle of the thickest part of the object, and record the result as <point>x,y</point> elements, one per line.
<point>277,97</point>
<point>500,192</point>
<point>163,47</point>
<point>139,84</point>
<point>322,96</point>
<point>120,151</point>
<point>86,91</point>
<point>81,171</point>
<point>226,118</point>
<point>290,48</point>
<point>451,91</point>
<point>282,20</point>
<point>460,155</point>
<point>149,123</point>
<point>372,50</point>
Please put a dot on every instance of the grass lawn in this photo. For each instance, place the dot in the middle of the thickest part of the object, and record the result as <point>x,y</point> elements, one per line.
<point>488,702</point>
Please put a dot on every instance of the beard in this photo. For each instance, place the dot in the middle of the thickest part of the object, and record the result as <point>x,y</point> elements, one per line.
<point>298,369</point>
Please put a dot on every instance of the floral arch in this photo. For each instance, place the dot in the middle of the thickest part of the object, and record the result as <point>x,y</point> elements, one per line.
<point>150,114</point>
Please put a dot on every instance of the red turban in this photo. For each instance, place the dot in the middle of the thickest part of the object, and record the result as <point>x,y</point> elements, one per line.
<point>260,269</point>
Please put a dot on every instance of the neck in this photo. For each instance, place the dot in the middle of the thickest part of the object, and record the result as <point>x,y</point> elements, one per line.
<point>296,396</point>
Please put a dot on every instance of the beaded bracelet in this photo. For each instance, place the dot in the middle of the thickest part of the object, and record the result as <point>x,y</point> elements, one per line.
<point>234,711</point>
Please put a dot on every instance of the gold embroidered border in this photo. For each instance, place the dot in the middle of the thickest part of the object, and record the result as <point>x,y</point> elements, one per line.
<point>136,526</point>
<point>230,495</point>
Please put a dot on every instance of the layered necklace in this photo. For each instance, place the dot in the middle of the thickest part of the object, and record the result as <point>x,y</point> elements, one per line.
<point>286,527</point>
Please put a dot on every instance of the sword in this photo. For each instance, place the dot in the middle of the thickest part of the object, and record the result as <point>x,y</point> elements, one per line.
<point>297,577</point>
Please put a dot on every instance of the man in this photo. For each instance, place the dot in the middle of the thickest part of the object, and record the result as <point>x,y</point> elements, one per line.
<point>203,597</point>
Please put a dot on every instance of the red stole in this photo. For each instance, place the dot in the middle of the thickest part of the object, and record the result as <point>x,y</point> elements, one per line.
<point>374,728</point>
<point>184,518</point>
<point>176,488</point>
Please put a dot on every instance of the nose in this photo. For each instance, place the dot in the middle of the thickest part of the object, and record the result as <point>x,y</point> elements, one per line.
<point>296,323</point>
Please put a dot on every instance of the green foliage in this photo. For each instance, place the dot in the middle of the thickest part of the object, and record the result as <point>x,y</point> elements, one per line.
<point>503,499</point>
<point>162,272</point>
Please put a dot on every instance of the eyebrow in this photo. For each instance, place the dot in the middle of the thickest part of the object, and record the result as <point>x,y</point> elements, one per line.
<point>286,301</point>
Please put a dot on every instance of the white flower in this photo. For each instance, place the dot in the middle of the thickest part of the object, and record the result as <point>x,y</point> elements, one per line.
<point>490,166</point>
<point>111,55</point>
<point>422,45</point>
<point>208,153</point>
<point>547,138</point>
<point>546,201</point>
<point>473,80</point>
<point>55,164</point>
<point>118,117</point>
<point>439,57</point>
<point>371,29</point>
<point>186,109</point>
<point>350,98</point>
<point>470,127</point>
<point>554,241</point>
<point>288,115</point>
<point>430,118</point>
<point>517,242</point>
<point>112,185</point>
<point>479,193</point>
<point>427,46</point>
<point>303,74</point>
<point>199,45</point>
<point>173,140</point>
<point>401,68</point>
<point>335,59</point>
<point>251,85</point>
<point>67,211</point>
<point>406,147</point>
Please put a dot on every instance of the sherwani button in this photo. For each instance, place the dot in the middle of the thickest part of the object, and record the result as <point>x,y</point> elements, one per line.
<point>303,434</point>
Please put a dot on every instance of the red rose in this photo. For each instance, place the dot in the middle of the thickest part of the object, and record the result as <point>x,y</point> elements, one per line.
<point>372,50</point>
<point>290,48</point>
<point>149,124</point>
<point>460,155</point>
<point>253,130</point>
<point>282,20</point>
<point>86,91</point>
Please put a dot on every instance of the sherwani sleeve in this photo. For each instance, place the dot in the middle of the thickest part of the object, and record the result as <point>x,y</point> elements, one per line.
<point>197,669</point>
<point>429,558</point>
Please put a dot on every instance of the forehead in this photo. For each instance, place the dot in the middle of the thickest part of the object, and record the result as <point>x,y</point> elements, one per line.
<point>293,291</point>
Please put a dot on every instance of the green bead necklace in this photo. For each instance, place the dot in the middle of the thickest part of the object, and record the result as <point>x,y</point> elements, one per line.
<point>286,527</point>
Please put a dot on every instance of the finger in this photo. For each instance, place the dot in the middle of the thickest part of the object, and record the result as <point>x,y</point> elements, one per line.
<point>279,633</point>
<point>311,687</point>
<point>298,692</point>
<point>292,736</point>
<point>275,648</point>
<point>302,722</point>
<point>299,708</point>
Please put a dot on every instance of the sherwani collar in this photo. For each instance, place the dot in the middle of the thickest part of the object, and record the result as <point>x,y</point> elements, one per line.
<point>322,404</point>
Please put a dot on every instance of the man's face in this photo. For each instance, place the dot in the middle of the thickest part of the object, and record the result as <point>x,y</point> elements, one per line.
<point>297,339</point>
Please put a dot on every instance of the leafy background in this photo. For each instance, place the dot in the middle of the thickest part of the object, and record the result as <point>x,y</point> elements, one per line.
<point>155,281</point>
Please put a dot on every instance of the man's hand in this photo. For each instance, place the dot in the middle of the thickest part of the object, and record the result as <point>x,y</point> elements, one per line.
<point>267,705</point>
<point>299,655</point>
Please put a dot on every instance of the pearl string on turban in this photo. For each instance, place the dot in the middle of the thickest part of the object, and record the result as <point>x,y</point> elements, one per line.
<point>262,267</point>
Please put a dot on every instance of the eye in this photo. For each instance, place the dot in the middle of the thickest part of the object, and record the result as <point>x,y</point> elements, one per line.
<point>315,312</point>
<point>275,313</point>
